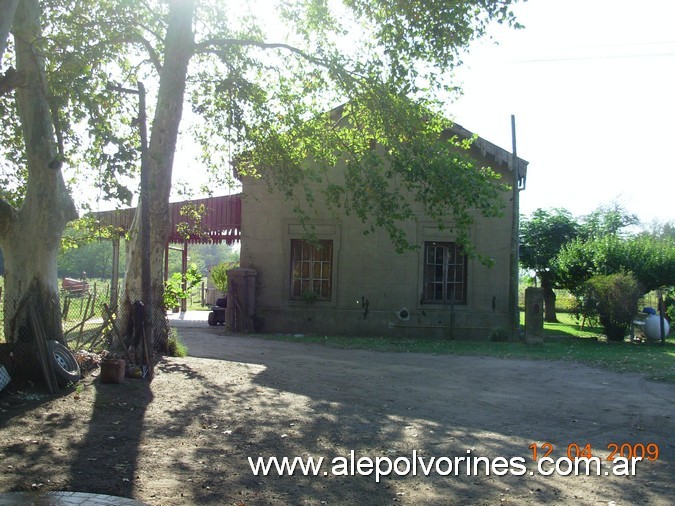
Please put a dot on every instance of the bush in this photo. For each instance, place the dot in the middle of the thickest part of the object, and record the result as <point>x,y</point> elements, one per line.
<point>173,288</point>
<point>499,334</point>
<point>174,346</point>
<point>219,274</point>
<point>613,299</point>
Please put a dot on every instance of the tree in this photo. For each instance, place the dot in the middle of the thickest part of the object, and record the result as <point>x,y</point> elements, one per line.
<point>261,101</point>
<point>661,230</point>
<point>611,219</point>
<point>649,259</point>
<point>542,236</point>
<point>614,298</point>
<point>256,94</point>
<point>31,227</point>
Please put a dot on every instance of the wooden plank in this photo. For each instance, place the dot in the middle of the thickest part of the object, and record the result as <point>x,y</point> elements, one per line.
<point>113,321</point>
<point>44,357</point>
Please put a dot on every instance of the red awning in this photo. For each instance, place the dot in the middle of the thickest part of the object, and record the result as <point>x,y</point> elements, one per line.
<point>221,221</point>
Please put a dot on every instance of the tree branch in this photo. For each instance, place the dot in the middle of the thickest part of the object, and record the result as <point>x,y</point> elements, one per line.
<point>152,54</point>
<point>204,47</point>
<point>7,214</point>
<point>341,72</point>
<point>12,79</point>
<point>7,10</point>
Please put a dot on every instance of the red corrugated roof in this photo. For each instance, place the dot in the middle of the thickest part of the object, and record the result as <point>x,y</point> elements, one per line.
<point>221,221</point>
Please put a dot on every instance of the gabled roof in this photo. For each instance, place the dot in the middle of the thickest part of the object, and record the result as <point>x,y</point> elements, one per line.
<point>486,148</point>
<point>500,155</point>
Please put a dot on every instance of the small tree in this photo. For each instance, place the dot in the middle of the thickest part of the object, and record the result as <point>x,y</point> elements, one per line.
<point>614,299</point>
<point>541,238</point>
<point>219,274</point>
<point>173,289</point>
<point>612,219</point>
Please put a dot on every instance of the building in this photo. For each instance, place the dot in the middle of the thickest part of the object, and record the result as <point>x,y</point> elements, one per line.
<point>351,284</point>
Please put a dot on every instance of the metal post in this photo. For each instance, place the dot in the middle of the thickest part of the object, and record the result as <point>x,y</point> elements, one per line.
<point>184,267</point>
<point>114,283</point>
<point>515,238</point>
<point>146,285</point>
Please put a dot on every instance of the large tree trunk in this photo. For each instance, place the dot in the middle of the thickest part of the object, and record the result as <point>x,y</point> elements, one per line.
<point>178,51</point>
<point>7,10</point>
<point>30,237</point>
<point>550,315</point>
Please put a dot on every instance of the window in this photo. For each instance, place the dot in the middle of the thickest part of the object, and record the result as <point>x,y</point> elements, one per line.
<point>311,270</point>
<point>445,272</point>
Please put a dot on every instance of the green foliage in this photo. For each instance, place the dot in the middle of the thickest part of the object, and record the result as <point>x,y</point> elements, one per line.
<point>611,219</point>
<point>173,289</point>
<point>546,232</point>
<point>669,301</point>
<point>661,230</point>
<point>499,335</point>
<point>193,227</point>
<point>175,346</point>
<point>388,147</point>
<point>650,259</point>
<point>219,274</point>
<point>309,297</point>
<point>614,299</point>
<point>543,234</point>
<point>204,256</point>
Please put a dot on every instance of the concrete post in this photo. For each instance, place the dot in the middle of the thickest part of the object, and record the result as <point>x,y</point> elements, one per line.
<point>534,315</point>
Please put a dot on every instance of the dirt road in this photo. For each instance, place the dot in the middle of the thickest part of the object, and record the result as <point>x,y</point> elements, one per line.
<point>186,437</point>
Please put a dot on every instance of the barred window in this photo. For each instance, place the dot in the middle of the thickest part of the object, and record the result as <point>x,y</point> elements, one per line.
<point>445,273</point>
<point>311,270</point>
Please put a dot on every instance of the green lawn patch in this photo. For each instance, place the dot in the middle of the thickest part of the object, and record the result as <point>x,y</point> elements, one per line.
<point>564,341</point>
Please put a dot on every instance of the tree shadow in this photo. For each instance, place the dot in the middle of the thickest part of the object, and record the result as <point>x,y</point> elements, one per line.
<point>276,399</point>
<point>298,400</point>
<point>111,444</point>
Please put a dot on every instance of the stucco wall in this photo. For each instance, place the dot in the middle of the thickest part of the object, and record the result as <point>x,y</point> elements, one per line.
<point>367,267</point>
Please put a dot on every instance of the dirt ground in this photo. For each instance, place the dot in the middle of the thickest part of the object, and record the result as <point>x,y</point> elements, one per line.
<point>185,437</point>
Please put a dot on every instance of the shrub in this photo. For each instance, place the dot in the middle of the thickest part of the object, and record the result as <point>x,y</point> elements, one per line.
<point>499,334</point>
<point>613,299</point>
<point>219,274</point>
<point>173,289</point>
<point>175,347</point>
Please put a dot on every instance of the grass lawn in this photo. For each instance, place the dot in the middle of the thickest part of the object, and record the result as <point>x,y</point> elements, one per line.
<point>564,341</point>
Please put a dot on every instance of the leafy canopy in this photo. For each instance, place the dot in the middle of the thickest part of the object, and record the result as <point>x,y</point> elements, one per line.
<point>650,259</point>
<point>542,236</point>
<point>260,81</point>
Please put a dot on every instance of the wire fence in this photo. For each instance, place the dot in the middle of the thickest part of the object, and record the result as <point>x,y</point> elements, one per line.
<point>565,302</point>
<point>91,319</point>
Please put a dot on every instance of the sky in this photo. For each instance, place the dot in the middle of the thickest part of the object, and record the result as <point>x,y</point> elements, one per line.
<point>591,84</point>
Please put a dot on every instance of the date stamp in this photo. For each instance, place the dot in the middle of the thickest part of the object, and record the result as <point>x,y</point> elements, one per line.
<point>629,451</point>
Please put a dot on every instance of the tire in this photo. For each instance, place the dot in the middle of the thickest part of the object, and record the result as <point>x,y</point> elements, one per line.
<point>66,368</point>
<point>212,319</point>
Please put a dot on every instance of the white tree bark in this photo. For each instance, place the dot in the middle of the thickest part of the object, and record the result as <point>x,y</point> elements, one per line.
<point>30,236</point>
<point>7,10</point>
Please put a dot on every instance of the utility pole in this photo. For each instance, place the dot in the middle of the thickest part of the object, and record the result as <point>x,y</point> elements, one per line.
<point>514,312</point>
<point>146,286</point>
<point>144,203</point>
